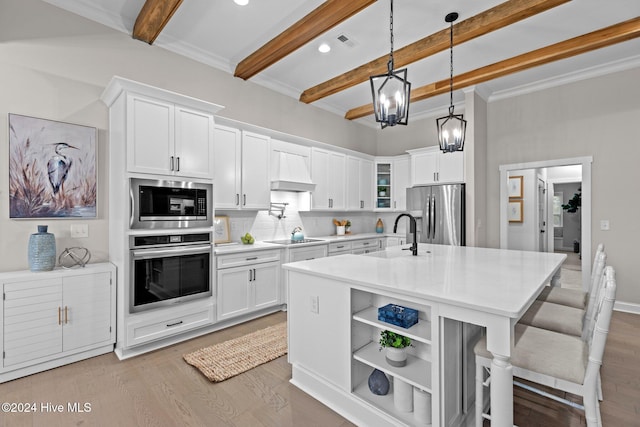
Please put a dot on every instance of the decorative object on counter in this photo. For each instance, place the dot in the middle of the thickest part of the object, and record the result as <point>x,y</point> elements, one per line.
<point>396,348</point>
<point>74,257</point>
<point>379,226</point>
<point>347,227</point>
<point>452,127</point>
<point>221,229</point>
<point>42,250</point>
<point>340,226</point>
<point>421,406</point>
<point>52,169</point>
<point>247,239</point>
<point>297,235</point>
<point>398,315</point>
<point>402,395</point>
<point>378,383</point>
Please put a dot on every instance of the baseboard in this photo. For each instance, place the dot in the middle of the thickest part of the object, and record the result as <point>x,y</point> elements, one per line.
<point>627,307</point>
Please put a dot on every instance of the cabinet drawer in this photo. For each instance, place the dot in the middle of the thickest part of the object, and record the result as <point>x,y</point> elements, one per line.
<point>247,258</point>
<point>139,332</point>
<point>302,254</point>
<point>373,244</point>
<point>340,247</point>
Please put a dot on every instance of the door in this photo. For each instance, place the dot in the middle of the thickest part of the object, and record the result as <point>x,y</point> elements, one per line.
<point>447,214</point>
<point>256,185</point>
<point>266,285</point>
<point>227,164</point>
<point>233,292</point>
<point>194,146</point>
<point>542,216</point>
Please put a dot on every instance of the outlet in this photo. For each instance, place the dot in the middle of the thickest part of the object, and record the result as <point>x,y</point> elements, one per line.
<point>79,231</point>
<point>604,224</point>
<point>314,305</point>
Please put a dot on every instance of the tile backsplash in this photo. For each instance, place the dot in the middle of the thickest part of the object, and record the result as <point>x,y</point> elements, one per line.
<point>264,226</point>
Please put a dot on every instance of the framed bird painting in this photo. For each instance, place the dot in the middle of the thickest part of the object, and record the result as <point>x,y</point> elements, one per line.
<point>52,169</point>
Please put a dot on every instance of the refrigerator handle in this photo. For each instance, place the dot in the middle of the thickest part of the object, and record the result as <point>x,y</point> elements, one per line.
<point>434,217</point>
<point>428,220</point>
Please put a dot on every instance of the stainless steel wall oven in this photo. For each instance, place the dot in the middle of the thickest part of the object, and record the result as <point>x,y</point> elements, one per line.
<point>169,269</point>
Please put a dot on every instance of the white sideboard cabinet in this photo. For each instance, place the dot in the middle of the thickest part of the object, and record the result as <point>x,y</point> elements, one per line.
<point>57,317</point>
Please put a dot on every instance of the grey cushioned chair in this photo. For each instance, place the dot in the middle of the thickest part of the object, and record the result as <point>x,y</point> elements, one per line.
<point>556,360</point>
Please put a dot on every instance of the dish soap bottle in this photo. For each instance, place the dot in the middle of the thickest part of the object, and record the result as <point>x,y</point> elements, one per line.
<point>379,226</point>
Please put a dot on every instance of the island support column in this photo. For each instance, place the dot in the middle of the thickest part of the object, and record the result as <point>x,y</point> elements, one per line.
<point>501,391</point>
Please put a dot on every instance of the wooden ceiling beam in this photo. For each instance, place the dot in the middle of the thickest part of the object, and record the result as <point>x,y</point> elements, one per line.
<point>152,18</point>
<point>485,22</point>
<point>323,18</point>
<point>608,36</point>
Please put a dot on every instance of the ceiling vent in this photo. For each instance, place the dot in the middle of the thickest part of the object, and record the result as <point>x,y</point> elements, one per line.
<point>345,40</point>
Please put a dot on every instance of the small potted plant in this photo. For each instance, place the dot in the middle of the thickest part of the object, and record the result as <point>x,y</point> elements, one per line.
<point>396,347</point>
<point>347,227</point>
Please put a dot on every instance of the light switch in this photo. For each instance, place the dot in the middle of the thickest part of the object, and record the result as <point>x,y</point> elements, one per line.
<point>79,231</point>
<point>604,224</point>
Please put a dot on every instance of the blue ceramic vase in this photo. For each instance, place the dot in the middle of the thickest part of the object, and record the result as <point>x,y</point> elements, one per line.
<point>378,383</point>
<point>42,250</point>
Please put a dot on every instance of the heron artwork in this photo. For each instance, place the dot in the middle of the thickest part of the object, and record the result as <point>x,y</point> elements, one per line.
<point>58,166</point>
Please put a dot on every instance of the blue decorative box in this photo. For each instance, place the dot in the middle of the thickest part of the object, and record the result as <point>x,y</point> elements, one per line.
<point>398,315</point>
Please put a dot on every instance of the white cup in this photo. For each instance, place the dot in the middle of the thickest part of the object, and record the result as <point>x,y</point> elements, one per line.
<point>340,230</point>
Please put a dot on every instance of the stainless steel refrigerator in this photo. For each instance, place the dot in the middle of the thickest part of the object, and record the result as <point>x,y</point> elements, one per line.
<point>439,213</point>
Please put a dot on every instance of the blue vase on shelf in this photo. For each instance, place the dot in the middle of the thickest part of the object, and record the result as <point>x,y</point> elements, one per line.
<point>42,250</point>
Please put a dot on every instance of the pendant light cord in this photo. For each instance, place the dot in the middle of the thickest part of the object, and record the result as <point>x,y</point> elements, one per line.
<point>390,63</point>
<point>451,70</point>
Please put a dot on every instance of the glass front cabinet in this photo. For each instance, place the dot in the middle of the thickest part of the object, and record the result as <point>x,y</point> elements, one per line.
<point>383,185</point>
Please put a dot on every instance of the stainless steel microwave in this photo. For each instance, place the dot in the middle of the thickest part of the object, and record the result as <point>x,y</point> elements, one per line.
<point>170,204</point>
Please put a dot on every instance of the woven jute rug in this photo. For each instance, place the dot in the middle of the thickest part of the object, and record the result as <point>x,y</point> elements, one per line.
<point>230,358</point>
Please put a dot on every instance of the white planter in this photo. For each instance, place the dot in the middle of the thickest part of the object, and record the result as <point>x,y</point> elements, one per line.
<point>396,356</point>
<point>340,230</point>
<point>421,407</point>
<point>402,395</point>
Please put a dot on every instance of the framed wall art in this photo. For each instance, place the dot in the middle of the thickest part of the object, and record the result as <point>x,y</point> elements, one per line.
<point>515,211</point>
<point>52,169</point>
<point>221,229</point>
<point>515,187</point>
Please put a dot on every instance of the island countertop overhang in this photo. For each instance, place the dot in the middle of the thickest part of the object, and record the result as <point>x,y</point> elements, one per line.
<point>498,281</point>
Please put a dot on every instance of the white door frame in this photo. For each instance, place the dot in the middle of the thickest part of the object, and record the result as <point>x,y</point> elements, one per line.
<point>585,211</point>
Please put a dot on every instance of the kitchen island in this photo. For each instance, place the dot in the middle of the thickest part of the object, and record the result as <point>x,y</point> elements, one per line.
<point>333,326</point>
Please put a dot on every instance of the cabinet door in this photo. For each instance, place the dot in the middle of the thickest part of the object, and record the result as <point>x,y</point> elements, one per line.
<point>320,176</point>
<point>337,180</point>
<point>401,180</point>
<point>150,135</point>
<point>233,292</point>
<point>32,320</point>
<point>265,284</point>
<point>193,143</point>
<point>354,201</point>
<point>366,184</point>
<point>424,168</point>
<point>256,183</point>
<point>227,152</point>
<point>86,310</point>
<point>451,167</point>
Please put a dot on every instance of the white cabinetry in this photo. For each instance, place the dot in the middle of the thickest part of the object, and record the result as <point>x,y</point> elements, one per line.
<point>396,241</point>
<point>328,171</point>
<point>391,183</point>
<point>241,169</point>
<point>247,282</point>
<point>359,183</point>
<point>432,166</point>
<point>53,318</point>
<point>356,247</point>
<point>165,133</point>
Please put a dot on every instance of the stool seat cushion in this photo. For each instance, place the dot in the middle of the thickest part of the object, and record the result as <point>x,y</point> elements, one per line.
<point>576,298</point>
<point>554,317</point>
<point>546,352</point>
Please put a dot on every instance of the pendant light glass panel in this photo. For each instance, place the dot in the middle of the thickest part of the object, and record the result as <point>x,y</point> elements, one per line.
<point>391,93</point>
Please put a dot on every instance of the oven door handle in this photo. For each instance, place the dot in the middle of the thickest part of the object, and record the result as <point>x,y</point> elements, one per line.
<point>182,250</point>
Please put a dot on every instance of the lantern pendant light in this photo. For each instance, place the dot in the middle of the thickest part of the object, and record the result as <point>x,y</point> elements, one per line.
<point>391,92</point>
<point>451,128</point>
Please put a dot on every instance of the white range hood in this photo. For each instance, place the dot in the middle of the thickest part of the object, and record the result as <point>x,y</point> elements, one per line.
<point>290,172</point>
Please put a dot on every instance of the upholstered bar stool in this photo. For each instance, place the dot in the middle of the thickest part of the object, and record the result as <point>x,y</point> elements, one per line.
<point>556,360</point>
<point>572,297</point>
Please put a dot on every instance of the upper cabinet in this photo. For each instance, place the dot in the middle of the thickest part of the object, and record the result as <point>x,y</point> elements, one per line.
<point>328,170</point>
<point>165,133</point>
<point>241,162</point>
<point>391,183</point>
<point>359,183</point>
<point>432,166</point>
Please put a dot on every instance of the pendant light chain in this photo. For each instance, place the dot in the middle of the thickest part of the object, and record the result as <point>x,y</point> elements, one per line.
<point>451,69</point>
<point>390,63</point>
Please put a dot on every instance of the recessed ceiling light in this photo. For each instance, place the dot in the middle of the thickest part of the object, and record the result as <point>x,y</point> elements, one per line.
<point>241,2</point>
<point>324,48</point>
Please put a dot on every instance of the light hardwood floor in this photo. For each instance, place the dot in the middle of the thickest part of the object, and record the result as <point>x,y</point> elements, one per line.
<point>160,389</point>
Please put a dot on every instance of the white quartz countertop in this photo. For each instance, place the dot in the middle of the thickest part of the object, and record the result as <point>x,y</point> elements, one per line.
<point>498,281</point>
<point>234,247</point>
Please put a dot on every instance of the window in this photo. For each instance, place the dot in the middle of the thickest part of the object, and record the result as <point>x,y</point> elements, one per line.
<point>557,209</point>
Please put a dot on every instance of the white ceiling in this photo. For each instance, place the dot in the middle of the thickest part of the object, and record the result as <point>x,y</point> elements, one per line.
<point>221,34</point>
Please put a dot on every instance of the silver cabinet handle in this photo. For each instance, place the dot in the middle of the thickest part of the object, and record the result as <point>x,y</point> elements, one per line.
<point>244,200</point>
<point>171,163</point>
<point>237,199</point>
<point>177,163</point>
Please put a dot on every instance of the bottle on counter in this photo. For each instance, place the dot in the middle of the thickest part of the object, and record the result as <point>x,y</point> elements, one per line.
<point>379,226</point>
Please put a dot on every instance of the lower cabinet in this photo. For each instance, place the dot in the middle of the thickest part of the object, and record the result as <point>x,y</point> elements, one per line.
<point>53,318</point>
<point>247,282</point>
